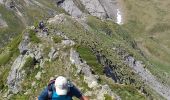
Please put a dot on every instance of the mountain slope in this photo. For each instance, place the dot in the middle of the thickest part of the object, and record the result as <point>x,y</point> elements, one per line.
<point>104,47</point>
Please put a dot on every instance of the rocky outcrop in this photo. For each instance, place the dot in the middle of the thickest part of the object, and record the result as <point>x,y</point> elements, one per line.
<point>91,79</point>
<point>71,8</point>
<point>83,68</point>
<point>99,8</point>
<point>57,19</point>
<point>53,54</point>
<point>113,10</point>
<point>1,2</point>
<point>147,77</point>
<point>16,74</point>
<point>23,46</point>
<point>95,8</point>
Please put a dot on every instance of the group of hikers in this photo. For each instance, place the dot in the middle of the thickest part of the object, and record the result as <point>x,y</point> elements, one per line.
<point>61,89</point>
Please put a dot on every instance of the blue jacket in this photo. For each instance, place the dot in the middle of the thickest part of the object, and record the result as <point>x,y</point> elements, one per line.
<point>73,91</point>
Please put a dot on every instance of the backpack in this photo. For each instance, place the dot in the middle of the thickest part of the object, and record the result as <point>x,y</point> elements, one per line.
<point>50,89</point>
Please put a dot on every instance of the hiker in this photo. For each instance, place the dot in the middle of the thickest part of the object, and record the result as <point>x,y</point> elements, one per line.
<point>61,89</point>
<point>41,25</point>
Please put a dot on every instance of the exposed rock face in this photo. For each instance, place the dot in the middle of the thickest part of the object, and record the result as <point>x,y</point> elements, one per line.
<point>16,74</point>
<point>57,19</point>
<point>95,8</point>
<point>113,10</point>
<point>138,67</point>
<point>1,2</point>
<point>90,78</point>
<point>99,8</point>
<point>71,8</point>
<point>23,46</point>
<point>84,69</point>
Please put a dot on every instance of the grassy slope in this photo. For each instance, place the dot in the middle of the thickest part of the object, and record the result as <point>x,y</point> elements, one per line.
<point>97,36</point>
<point>15,26</point>
<point>147,21</point>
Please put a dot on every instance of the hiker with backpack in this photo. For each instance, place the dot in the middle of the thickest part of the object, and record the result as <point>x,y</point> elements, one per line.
<point>61,89</point>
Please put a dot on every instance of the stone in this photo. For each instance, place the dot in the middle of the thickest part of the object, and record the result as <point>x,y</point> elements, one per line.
<point>38,76</point>
<point>95,8</point>
<point>68,42</point>
<point>33,84</point>
<point>53,54</point>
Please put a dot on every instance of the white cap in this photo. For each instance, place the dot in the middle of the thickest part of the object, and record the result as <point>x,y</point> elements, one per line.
<point>61,85</point>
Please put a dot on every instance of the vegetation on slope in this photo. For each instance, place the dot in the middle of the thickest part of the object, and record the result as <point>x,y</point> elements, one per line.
<point>147,21</point>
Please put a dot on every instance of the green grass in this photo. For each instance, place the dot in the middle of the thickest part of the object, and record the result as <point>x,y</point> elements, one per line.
<point>107,97</point>
<point>57,39</point>
<point>147,22</point>
<point>33,37</point>
<point>15,26</point>
<point>87,55</point>
<point>10,50</point>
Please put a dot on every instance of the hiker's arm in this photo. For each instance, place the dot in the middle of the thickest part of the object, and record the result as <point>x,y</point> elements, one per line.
<point>84,98</point>
<point>76,92</point>
<point>44,94</point>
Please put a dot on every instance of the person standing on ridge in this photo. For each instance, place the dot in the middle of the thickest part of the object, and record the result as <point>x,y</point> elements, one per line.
<point>61,89</point>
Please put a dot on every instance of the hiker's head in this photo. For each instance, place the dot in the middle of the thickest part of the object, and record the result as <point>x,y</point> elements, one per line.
<point>61,85</point>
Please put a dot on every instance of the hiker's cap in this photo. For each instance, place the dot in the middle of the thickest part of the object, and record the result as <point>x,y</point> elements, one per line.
<point>61,85</point>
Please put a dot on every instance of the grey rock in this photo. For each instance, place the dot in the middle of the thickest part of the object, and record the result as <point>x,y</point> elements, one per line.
<point>1,2</point>
<point>82,67</point>
<point>71,8</point>
<point>113,10</point>
<point>68,42</point>
<point>15,76</point>
<point>147,77</point>
<point>33,84</point>
<point>23,46</point>
<point>53,54</point>
<point>58,19</point>
<point>95,8</point>
<point>38,76</point>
